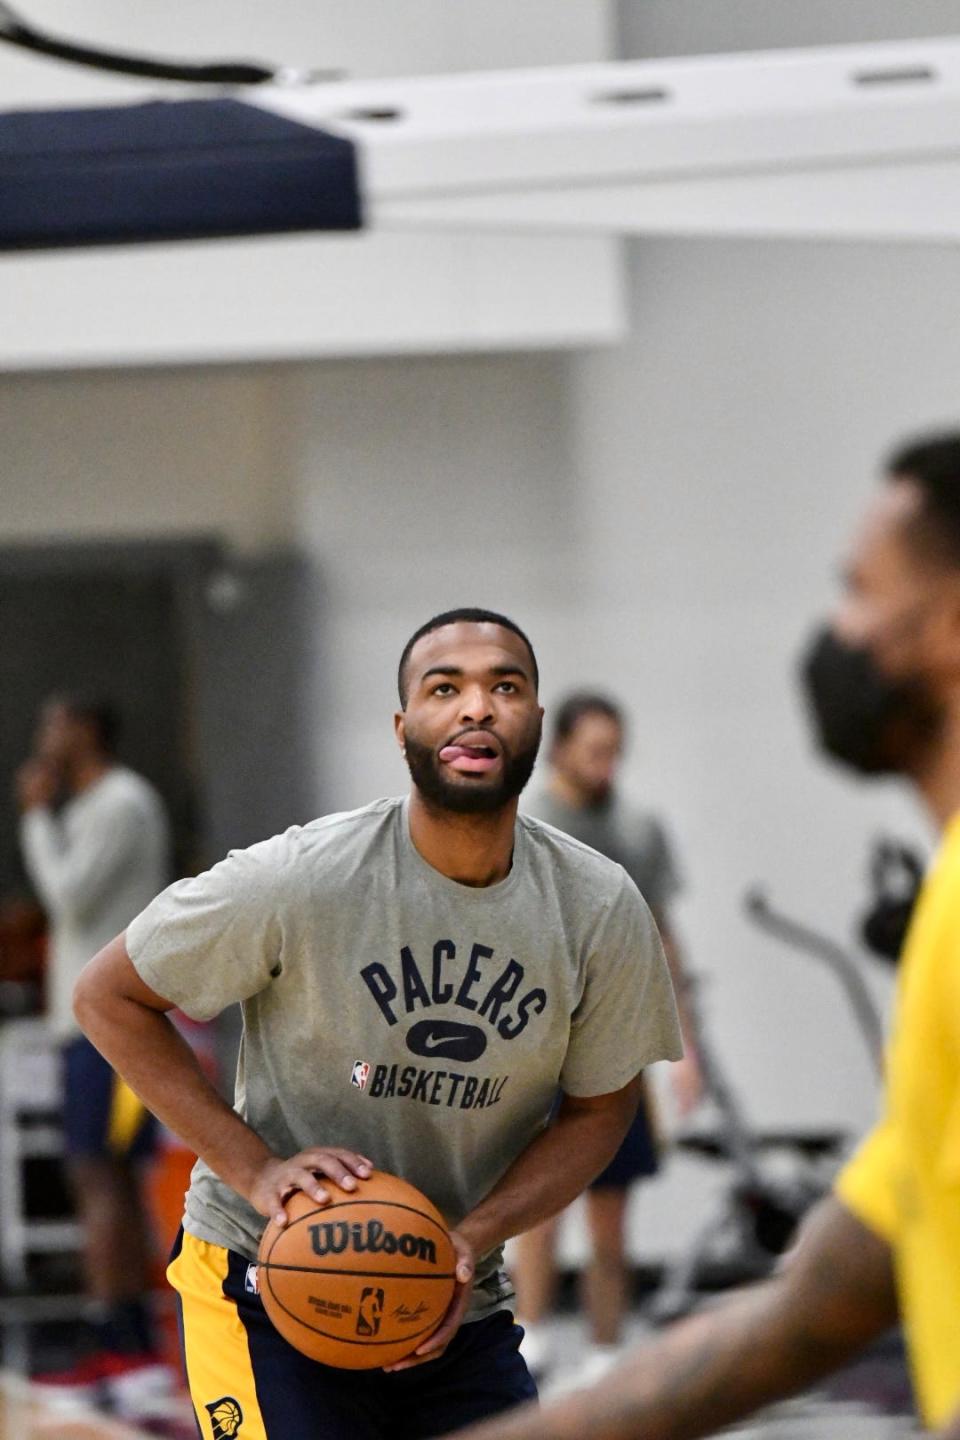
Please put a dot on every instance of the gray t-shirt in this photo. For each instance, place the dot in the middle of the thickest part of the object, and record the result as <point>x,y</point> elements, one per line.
<point>635,838</point>
<point>391,1010</point>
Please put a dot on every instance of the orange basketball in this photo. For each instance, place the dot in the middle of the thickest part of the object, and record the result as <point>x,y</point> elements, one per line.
<point>362,1281</point>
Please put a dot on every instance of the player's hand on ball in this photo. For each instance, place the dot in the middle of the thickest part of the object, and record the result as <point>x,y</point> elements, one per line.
<point>279,1178</point>
<point>433,1347</point>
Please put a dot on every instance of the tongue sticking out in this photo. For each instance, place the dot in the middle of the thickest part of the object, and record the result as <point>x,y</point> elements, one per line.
<point>469,759</point>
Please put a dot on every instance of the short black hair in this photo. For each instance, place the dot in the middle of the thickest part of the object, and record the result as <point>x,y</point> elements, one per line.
<point>933,463</point>
<point>572,709</point>
<point>97,711</point>
<point>473,616</point>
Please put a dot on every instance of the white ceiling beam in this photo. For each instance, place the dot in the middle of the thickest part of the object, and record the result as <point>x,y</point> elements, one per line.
<point>848,140</point>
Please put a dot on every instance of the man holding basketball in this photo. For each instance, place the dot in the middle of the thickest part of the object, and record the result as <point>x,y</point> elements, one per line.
<point>417,979</point>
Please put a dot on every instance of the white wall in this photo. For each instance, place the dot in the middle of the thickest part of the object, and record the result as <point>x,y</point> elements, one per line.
<point>424,485</point>
<point>648,28</point>
<point>130,452</point>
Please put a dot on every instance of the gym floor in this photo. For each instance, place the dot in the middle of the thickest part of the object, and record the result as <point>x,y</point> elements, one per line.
<point>24,1417</point>
<point>870,1401</point>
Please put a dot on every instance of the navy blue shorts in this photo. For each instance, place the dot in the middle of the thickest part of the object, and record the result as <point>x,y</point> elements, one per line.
<point>637,1158</point>
<point>246,1374</point>
<point>101,1114</point>
<point>639,1155</point>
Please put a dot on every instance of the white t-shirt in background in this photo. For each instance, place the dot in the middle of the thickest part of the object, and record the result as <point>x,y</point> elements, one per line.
<point>95,865</point>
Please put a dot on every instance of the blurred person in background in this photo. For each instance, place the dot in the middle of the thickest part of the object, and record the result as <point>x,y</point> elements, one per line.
<point>95,842</point>
<point>582,799</point>
<point>883,682</point>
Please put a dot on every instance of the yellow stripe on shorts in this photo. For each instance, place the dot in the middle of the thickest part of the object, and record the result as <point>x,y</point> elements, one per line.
<point>127,1114</point>
<point>219,1369</point>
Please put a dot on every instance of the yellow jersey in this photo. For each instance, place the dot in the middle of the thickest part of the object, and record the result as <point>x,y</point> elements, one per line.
<point>904,1181</point>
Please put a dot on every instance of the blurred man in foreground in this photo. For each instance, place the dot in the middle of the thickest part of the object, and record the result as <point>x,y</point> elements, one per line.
<point>582,799</point>
<point>884,685</point>
<point>96,860</point>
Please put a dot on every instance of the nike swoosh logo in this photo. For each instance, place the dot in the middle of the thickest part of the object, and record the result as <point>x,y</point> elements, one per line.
<point>450,1039</point>
<point>433,1041</point>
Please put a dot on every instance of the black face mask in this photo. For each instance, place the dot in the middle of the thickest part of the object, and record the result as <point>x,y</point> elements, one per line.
<point>862,718</point>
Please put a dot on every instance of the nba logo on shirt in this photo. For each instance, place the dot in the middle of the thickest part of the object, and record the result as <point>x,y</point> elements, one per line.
<point>252,1281</point>
<point>360,1074</point>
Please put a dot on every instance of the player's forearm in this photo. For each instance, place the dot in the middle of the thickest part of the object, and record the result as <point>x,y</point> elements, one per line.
<point>701,1375</point>
<point>157,1063</point>
<point>550,1173</point>
<point>761,1345</point>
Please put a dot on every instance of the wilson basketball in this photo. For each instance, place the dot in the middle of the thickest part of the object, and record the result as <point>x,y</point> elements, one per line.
<point>362,1281</point>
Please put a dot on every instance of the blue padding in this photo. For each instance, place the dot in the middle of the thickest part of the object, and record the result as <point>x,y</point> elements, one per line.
<point>169,171</point>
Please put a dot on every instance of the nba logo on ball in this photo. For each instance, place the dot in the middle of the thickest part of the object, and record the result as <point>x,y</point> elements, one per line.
<point>360,1074</point>
<point>369,1311</point>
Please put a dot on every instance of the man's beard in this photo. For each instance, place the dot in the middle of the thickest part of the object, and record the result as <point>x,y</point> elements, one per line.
<point>471,796</point>
<point>863,718</point>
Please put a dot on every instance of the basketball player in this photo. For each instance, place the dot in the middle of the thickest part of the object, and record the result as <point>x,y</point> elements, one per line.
<point>582,799</point>
<point>884,685</point>
<point>417,978</point>
<point>96,861</point>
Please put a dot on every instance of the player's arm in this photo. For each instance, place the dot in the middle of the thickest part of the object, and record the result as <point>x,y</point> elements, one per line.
<point>834,1294</point>
<point>126,1020</point>
<point>542,1181</point>
<point>555,1168</point>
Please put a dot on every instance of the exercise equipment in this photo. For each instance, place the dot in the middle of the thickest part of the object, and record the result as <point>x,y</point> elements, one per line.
<point>762,1202</point>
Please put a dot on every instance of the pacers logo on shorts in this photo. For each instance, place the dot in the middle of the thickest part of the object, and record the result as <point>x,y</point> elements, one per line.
<point>226,1417</point>
<point>370,1310</point>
